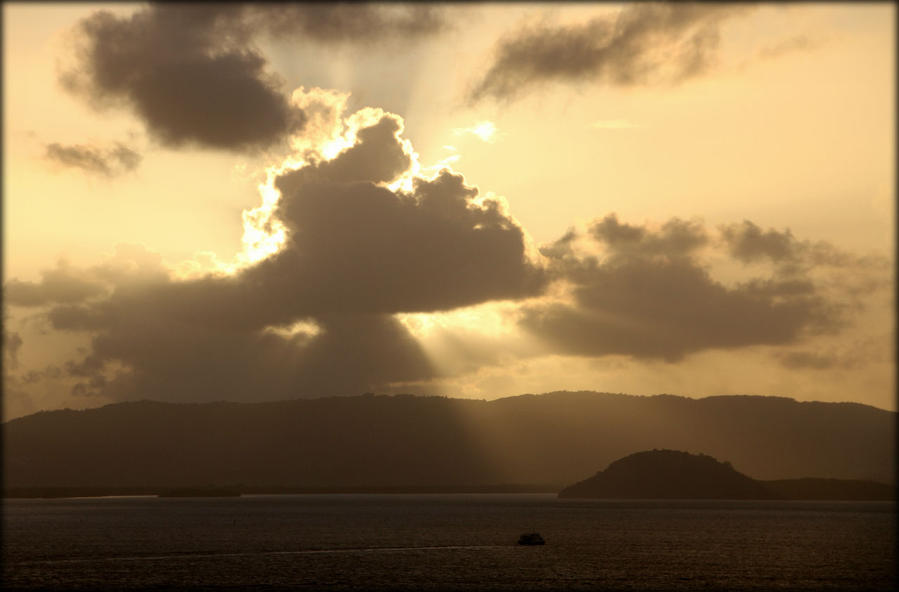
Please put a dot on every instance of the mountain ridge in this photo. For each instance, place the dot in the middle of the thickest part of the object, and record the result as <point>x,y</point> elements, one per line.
<point>410,441</point>
<point>483,400</point>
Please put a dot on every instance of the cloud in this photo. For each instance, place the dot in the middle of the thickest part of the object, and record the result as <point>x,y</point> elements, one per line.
<point>844,354</point>
<point>201,340</point>
<point>63,285</point>
<point>47,373</point>
<point>12,343</point>
<point>187,72</point>
<point>748,243</point>
<point>793,44</point>
<point>175,358</point>
<point>191,73</point>
<point>316,317</point>
<point>107,162</point>
<point>131,267</point>
<point>377,156</point>
<point>676,238</point>
<point>640,45</point>
<point>371,249</point>
<point>360,353</point>
<point>646,293</point>
<point>347,22</point>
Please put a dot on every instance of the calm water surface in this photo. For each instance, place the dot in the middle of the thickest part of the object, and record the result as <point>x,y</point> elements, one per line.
<point>458,541</point>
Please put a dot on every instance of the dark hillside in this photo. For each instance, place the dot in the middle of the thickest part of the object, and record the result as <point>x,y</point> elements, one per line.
<point>434,442</point>
<point>671,474</point>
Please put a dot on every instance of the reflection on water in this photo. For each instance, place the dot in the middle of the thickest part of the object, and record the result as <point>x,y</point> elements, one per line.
<point>416,541</point>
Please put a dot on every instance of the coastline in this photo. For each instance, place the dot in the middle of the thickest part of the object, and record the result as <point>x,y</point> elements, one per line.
<point>232,490</point>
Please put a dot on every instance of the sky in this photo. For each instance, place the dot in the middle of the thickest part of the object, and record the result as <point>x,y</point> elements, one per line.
<point>265,202</point>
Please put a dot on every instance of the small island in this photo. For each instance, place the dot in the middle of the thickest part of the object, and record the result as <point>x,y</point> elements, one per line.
<point>673,474</point>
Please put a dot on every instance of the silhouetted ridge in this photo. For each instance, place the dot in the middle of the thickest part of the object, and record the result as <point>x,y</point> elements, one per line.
<point>668,474</point>
<point>381,442</point>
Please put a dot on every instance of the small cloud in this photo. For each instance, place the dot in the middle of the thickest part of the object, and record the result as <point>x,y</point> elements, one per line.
<point>614,124</point>
<point>643,44</point>
<point>108,162</point>
<point>450,148</point>
<point>798,43</point>
<point>12,343</point>
<point>485,130</point>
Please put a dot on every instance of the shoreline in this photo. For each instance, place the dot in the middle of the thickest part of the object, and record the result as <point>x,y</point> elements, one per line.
<point>234,491</point>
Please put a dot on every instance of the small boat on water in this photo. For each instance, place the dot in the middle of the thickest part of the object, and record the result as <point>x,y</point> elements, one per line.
<point>531,538</point>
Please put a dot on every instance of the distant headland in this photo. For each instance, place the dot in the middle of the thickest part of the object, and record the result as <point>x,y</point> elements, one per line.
<point>673,474</point>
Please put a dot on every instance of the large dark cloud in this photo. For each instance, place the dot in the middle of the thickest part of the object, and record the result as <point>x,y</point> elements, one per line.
<point>366,248</point>
<point>211,338</point>
<point>191,73</point>
<point>176,358</point>
<point>642,44</point>
<point>648,295</point>
<point>187,72</point>
<point>355,253</point>
<point>107,162</point>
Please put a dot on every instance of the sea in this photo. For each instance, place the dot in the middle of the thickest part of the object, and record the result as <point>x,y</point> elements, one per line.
<point>445,542</point>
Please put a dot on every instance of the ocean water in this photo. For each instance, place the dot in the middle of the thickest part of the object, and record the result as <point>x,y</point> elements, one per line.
<point>453,541</point>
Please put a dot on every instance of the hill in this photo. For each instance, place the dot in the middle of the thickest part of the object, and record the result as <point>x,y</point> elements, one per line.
<point>668,474</point>
<point>434,443</point>
<point>672,474</point>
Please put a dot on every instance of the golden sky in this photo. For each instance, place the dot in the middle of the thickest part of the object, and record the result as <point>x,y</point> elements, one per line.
<point>246,203</point>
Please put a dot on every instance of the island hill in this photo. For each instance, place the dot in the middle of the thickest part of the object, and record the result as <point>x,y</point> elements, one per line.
<point>672,474</point>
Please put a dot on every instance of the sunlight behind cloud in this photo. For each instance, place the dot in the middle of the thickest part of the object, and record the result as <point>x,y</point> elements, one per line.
<point>327,134</point>
<point>263,235</point>
<point>303,327</point>
<point>469,339</point>
<point>491,318</point>
<point>485,130</point>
